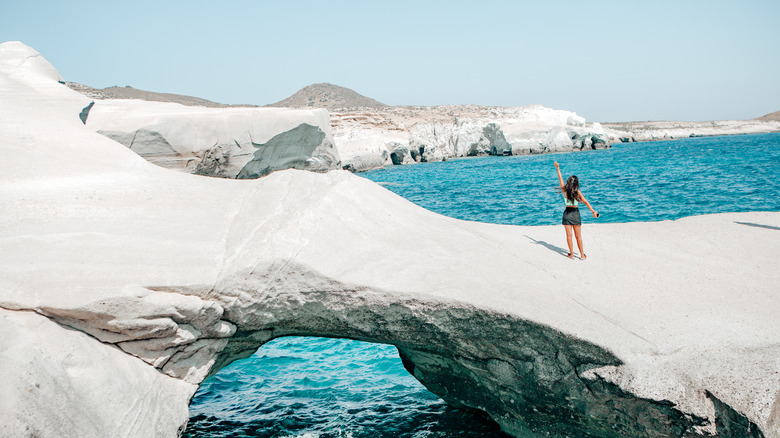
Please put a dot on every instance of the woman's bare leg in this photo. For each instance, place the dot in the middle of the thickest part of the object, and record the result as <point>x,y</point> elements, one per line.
<point>578,235</point>
<point>568,240</point>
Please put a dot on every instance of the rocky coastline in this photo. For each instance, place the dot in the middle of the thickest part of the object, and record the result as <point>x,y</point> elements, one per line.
<point>628,132</point>
<point>370,138</point>
<point>123,285</point>
<point>222,141</point>
<point>206,138</point>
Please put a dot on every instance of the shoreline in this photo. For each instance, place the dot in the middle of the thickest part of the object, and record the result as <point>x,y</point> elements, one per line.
<point>699,136</point>
<point>628,132</point>
<point>364,138</point>
<point>657,140</point>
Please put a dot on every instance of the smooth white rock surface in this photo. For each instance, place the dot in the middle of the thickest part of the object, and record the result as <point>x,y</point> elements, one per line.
<point>216,141</point>
<point>62,383</point>
<point>156,270</point>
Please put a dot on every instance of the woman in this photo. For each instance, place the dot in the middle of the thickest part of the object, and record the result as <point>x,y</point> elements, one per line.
<point>572,196</point>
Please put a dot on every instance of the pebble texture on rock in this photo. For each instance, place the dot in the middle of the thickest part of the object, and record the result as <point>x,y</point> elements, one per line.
<point>123,285</point>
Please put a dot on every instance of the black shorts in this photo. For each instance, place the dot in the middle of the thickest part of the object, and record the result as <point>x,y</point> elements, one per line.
<point>571,216</point>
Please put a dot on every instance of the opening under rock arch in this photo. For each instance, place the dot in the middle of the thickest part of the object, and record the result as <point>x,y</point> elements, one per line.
<point>323,387</point>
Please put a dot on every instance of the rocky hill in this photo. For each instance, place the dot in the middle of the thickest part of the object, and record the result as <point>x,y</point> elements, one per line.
<point>775,116</point>
<point>129,92</point>
<point>328,96</point>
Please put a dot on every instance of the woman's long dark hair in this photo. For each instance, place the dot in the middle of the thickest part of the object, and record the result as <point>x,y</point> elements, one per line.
<point>571,188</point>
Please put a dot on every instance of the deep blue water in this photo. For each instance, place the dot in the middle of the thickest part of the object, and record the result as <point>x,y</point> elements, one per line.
<point>328,388</point>
<point>325,388</point>
<point>626,183</point>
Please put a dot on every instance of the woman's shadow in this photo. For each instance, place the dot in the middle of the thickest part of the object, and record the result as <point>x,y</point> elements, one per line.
<point>549,246</point>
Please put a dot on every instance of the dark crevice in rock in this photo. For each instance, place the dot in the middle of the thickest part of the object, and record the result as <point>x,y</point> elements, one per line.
<point>731,423</point>
<point>85,112</point>
<point>215,161</point>
<point>132,141</point>
<point>496,140</point>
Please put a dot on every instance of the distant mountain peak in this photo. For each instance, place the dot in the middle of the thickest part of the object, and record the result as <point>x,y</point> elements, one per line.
<point>326,95</point>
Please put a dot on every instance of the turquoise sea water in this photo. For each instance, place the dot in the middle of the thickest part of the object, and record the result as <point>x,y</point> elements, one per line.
<point>626,183</point>
<point>328,388</point>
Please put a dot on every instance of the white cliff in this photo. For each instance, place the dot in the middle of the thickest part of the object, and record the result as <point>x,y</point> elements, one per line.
<point>212,139</point>
<point>236,142</point>
<point>369,138</point>
<point>666,130</point>
<point>123,285</point>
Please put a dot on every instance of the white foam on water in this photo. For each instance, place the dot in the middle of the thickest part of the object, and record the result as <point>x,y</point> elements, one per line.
<point>304,435</point>
<point>341,434</point>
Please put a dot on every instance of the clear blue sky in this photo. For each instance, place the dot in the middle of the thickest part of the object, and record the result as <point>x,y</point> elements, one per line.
<point>606,60</point>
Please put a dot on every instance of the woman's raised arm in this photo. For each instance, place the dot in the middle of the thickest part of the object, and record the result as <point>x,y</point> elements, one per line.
<point>560,178</point>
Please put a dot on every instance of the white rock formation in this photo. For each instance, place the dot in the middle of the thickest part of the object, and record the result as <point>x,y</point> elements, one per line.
<point>227,142</point>
<point>366,138</point>
<point>60,382</point>
<point>123,284</point>
<point>663,130</point>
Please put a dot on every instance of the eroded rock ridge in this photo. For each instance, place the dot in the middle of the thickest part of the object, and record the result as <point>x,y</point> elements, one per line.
<point>371,138</point>
<point>229,142</point>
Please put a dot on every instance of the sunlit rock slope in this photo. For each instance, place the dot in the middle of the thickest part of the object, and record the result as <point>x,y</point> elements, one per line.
<point>123,285</point>
<point>243,142</point>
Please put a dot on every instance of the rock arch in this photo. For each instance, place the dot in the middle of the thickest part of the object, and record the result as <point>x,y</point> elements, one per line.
<point>473,330</point>
<point>530,378</point>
